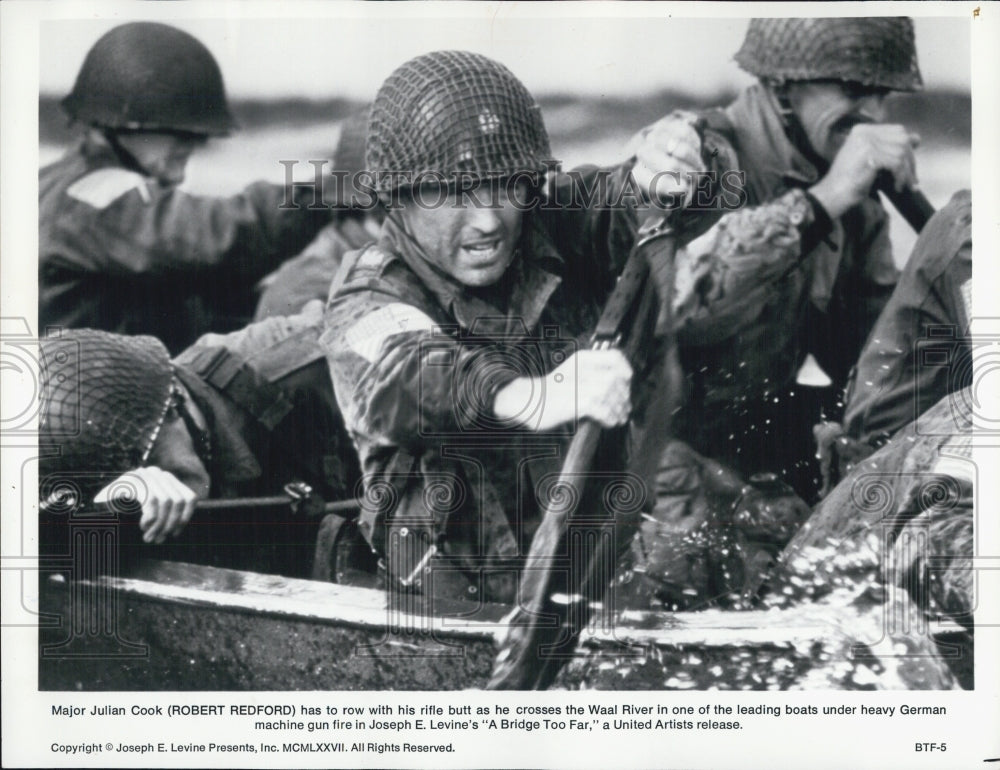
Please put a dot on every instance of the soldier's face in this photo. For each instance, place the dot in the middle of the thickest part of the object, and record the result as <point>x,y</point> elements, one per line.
<point>828,110</point>
<point>472,236</point>
<point>163,156</point>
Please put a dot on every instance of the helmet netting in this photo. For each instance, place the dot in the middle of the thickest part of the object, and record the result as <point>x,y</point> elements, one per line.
<point>103,399</point>
<point>875,52</point>
<point>450,113</point>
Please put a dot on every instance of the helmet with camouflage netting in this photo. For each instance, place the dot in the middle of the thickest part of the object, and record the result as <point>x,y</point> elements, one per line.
<point>104,398</point>
<point>451,113</point>
<point>146,76</point>
<point>876,52</point>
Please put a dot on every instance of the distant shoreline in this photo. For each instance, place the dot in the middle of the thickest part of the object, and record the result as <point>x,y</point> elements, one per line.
<point>943,116</point>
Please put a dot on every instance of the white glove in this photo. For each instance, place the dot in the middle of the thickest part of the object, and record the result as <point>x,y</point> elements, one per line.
<point>167,503</point>
<point>668,158</point>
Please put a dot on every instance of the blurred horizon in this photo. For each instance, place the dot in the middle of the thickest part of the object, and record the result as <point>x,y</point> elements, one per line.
<point>939,115</point>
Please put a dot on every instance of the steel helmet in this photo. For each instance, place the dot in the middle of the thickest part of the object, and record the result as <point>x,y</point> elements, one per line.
<point>103,399</point>
<point>873,51</point>
<point>453,112</point>
<point>153,77</point>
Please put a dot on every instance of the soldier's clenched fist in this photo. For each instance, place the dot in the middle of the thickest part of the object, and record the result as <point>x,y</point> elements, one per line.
<point>867,150</point>
<point>591,384</point>
<point>167,503</point>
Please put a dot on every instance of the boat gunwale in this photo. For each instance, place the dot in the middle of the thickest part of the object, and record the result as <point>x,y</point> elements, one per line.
<point>301,599</point>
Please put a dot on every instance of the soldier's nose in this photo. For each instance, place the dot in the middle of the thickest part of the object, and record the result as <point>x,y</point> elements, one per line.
<point>485,219</point>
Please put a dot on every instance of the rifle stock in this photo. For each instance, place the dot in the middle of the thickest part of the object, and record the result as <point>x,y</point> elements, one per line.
<point>543,630</point>
<point>911,204</point>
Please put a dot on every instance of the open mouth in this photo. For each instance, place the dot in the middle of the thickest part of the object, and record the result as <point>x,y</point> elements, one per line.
<point>483,251</point>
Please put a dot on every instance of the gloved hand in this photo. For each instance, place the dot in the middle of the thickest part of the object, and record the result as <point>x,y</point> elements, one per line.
<point>594,384</point>
<point>167,504</point>
<point>667,158</point>
<point>868,149</point>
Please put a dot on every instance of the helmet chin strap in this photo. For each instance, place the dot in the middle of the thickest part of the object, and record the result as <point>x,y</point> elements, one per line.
<point>404,229</point>
<point>127,159</point>
<point>794,129</point>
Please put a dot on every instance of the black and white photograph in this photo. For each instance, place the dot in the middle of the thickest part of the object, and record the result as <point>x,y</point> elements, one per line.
<point>499,384</point>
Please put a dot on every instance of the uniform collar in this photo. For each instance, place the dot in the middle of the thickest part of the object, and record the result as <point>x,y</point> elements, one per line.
<point>529,284</point>
<point>776,166</point>
<point>97,152</point>
<point>757,120</point>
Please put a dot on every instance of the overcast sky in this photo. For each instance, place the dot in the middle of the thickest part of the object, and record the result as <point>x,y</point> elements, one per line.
<point>320,57</point>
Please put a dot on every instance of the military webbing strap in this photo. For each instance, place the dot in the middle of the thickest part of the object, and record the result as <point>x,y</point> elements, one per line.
<point>231,375</point>
<point>297,350</point>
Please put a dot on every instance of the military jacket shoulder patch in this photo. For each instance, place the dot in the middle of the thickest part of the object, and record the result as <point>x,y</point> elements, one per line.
<point>369,262</point>
<point>104,186</point>
<point>368,334</point>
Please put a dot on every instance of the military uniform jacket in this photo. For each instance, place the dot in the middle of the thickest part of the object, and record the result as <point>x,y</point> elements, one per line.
<point>743,346</point>
<point>308,275</point>
<point>919,349</point>
<point>417,359</point>
<point>266,393</point>
<point>120,253</point>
